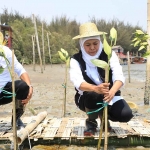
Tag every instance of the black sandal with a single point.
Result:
(91, 126)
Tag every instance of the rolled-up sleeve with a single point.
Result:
(117, 73)
(19, 69)
(76, 76)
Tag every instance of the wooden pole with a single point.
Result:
(147, 83)
(43, 46)
(37, 40)
(49, 48)
(14, 106)
(33, 50)
(128, 66)
(0, 22)
(65, 91)
(101, 131)
(106, 113)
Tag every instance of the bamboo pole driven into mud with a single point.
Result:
(147, 83)
(37, 40)
(43, 46)
(33, 51)
(15, 141)
(105, 116)
(65, 92)
(106, 113)
(49, 50)
(128, 66)
(101, 131)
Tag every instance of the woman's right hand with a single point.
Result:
(102, 88)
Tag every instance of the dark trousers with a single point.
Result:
(119, 111)
(21, 91)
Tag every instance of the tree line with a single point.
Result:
(61, 30)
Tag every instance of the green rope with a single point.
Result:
(8, 93)
(64, 85)
(103, 105)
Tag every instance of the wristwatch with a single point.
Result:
(30, 86)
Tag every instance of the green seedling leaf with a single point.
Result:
(136, 43)
(147, 36)
(1, 70)
(100, 63)
(107, 48)
(146, 54)
(139, 32)
(2, 54)
(141, 47)
(64, 51)
(113, 35)
(62, 57)
(144, 43)
(134, 39)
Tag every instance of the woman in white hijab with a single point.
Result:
(89, 80)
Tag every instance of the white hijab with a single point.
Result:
(91, 69)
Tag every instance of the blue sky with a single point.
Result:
(133, 12)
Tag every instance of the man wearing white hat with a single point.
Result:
(89, 80)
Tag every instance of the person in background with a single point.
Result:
(23, 88)
(89, 80)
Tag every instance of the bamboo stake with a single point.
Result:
(14, 106)
(33, 50)
(37, 40)
(106, 112)
(49, 48)
(147, 83)
(0, 22)
(128, 66)
(43, 46)
(65, 91)
(101, 131)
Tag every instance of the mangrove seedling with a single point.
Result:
(63, 54)
(106, 66)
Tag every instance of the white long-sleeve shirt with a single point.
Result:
(77, 78)
(18, 68)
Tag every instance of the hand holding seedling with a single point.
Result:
(102, 88)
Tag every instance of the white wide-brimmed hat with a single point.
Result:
(87, 30)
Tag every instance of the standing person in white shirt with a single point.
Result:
(23, 88)
(89, 80)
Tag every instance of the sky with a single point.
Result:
(133, 12)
